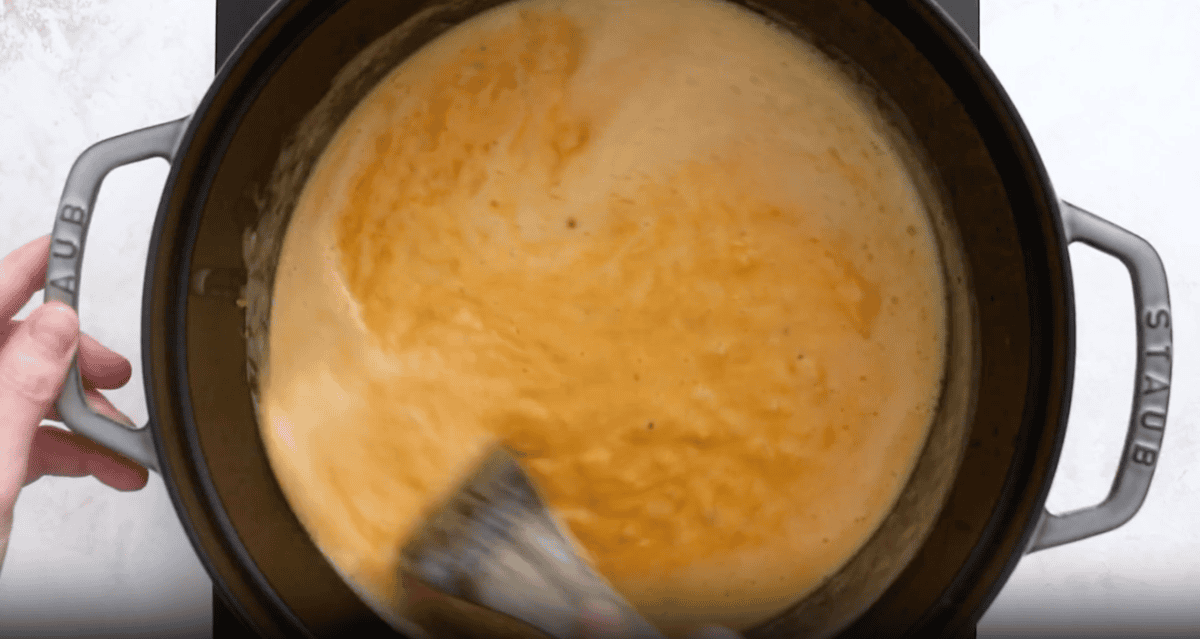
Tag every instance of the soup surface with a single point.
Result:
(663, 250)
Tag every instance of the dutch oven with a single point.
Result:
(974, 503)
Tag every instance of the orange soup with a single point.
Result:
(662, 249)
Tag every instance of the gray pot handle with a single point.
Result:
(1151, 388)
(66, 260)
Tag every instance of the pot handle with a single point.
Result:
(66, 261)
(1151, 388)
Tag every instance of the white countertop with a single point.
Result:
(1110, 91)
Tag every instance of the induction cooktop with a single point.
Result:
(234, 20)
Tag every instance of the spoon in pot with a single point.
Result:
(503, 567)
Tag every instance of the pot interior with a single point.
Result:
(272, 111)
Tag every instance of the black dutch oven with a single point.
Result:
(974, 503)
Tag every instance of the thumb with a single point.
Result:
(33, 364)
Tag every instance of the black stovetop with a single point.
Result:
(234, 20)
(236, 17)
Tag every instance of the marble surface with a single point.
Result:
(1108, 90)
(87, 561)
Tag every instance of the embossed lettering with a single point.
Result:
(1164, 352)
(1154, 384)
(1153, 420)
(72, 214)
(1158, 319)
(1144, 456)
(65, 283)
(64, 249)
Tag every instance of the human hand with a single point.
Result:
(35, 355)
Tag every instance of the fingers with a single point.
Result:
(22, 273)
(101, 367)
(33, 364)
(34, 360)
(98, 403)
(62, 453)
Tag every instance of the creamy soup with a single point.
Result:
(663, 250)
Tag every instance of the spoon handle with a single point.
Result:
(495, 545)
